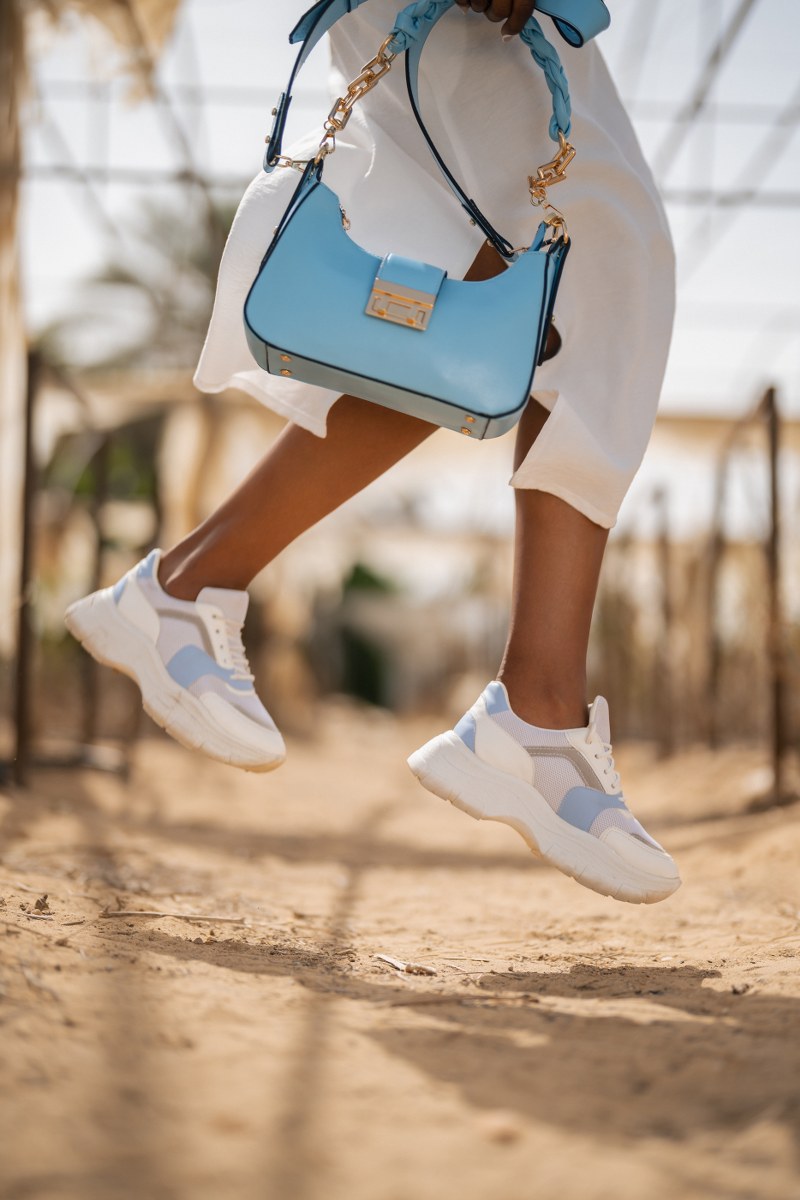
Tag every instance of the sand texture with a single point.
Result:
(566, 1046)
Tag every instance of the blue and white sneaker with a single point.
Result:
(558, 788)
(189, 661)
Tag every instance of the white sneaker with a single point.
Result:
(188, 659)
(557, 787)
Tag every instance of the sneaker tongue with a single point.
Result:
(233, 604)
(599, 717)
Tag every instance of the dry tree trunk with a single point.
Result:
(12, 339)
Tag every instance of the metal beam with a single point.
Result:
(146, 176)
(757, 167)
(689, 111)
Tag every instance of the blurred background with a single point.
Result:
(323, 984)
(130, 132)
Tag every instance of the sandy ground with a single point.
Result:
(566, 1046)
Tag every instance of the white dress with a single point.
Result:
(487, 107)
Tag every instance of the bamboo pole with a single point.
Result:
(716, 550)
(24, 658)
(775, 640)
(89, 667)
(665, 675)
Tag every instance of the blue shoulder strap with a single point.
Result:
(576, 20)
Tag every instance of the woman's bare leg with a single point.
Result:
(558, 551)
(557, 558)
(300, 479)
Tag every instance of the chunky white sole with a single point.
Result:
(448, 768)
(98, 625)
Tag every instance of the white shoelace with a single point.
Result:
(241, 667)
(603, 756)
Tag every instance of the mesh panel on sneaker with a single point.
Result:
(528, 735)
(554, 777)
(179, 624)
(176, 630)
(247, 703)
(617, 818)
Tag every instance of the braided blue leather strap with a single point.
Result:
(547, 58)
(410, 23)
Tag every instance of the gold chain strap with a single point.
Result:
(371, 74)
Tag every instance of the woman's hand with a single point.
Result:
(513, 12)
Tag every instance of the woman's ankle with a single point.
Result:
(175, 580)
(186, 569)
(548, 706)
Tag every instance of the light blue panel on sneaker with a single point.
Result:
(191, 663)
(147, 566)
(466, 731)
(496, 700)
(582, 806)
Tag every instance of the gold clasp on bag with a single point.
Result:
(400, 305)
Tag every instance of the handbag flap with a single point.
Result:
(407, 273)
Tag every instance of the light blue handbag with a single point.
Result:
(395, 331)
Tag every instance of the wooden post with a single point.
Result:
(665, 675)
(24, 662)
(775, 646)
(89, 667)
(716, 549)
(716, 552)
